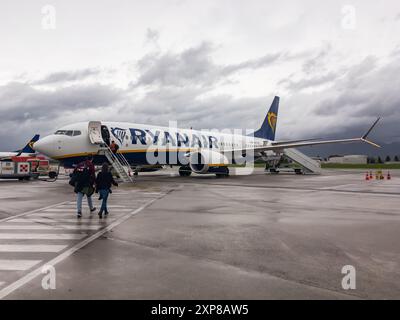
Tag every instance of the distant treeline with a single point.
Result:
(380, 160)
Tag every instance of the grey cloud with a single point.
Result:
(178, 86)
(365, 91)
(310, 82)
(21, 101)
(251, 64)
(65, 76)
(314, 71)
(193, 66)
(152, 35)
(317, 61)
(312, 76)
(189, 109)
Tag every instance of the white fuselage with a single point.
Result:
(72, 142)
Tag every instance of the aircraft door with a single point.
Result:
(105, 134)
(95, 132)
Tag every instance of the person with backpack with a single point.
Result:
(82, 180)
(104, 180)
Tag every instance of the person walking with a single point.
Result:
(104, 180)
(83, 179)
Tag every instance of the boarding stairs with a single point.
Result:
(309, 165)
(118, 162)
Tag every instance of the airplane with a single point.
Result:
(26, 151)
(195, 151)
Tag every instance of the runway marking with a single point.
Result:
(70, 206)
(32, 247)
(84, 238)
(41, 236)
(302, 189)
(63, 214)
(17, 265)
(69, 215)
(74, 210)
(32, 211)
(39, 226)
(49, 220)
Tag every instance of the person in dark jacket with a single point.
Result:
(104, 181)
(114, 147)
(83, 183)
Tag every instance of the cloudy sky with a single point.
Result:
(206, 64)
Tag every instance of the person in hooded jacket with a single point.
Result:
(104, 181)
(83, 180)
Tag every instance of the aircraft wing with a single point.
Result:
(277, 146)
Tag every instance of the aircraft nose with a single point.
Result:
(43, 146)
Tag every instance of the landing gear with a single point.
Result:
(224, 173)
(185, 171)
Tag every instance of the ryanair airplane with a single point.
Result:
(193, 151)
(26, 151)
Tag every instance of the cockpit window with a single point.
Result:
(77, 133)
(68, 133)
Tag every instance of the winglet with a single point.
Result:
(364, 137)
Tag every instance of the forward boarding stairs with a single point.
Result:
(117, 160)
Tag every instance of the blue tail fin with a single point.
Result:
(268, 127)
(28, 148)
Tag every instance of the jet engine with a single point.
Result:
(208, 161)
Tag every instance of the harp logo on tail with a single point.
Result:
(272, 117)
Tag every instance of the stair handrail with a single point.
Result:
(115, 158)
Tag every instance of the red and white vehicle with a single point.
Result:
(24, 168)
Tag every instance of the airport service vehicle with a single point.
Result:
(15, 168)
(25, 168)
(201, 152)
(25, 151)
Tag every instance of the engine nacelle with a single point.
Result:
(207, 161)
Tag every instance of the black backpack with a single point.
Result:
(79, 174)
(72, 179)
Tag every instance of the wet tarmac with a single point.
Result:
(261, 236)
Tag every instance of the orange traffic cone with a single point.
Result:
(388, 176)
(367, 176)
